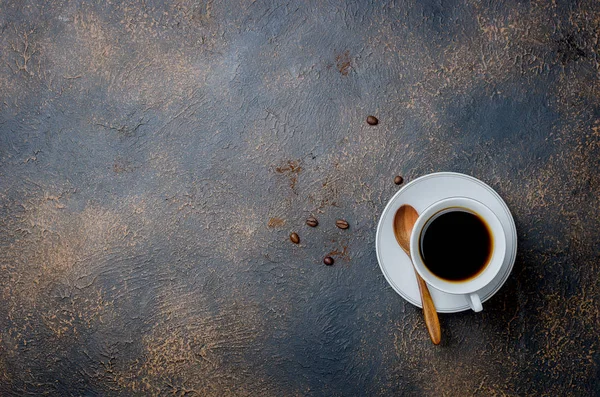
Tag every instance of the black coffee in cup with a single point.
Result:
(456, 245)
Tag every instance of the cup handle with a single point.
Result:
(475, 302)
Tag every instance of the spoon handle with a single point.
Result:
(431, 317)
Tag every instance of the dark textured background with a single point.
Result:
(154, 157)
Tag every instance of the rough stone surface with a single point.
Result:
(155, 156)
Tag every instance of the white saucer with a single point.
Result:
(421, 193)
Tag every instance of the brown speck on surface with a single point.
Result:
(343, 63)
(276, 222)
(328, 260)
(291, 168)
(398, 180)
(343, 254)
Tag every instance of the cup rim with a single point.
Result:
(492, 268)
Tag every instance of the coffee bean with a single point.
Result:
(342, 224)
(294, 238)
(328, 260)
(312, 221)
(372, 120)
(398, 180)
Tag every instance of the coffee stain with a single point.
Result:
(276, 222)
(291, 168)
(344, 254)
(343, 63)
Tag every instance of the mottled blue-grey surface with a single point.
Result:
(155, 156)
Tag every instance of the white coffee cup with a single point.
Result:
(469, 287)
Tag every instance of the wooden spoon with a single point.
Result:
(404, 220)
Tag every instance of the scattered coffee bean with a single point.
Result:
(398, 180)
(372, 120)
(328, 260)
(342, 224)
(294, 238)
(312, 221)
